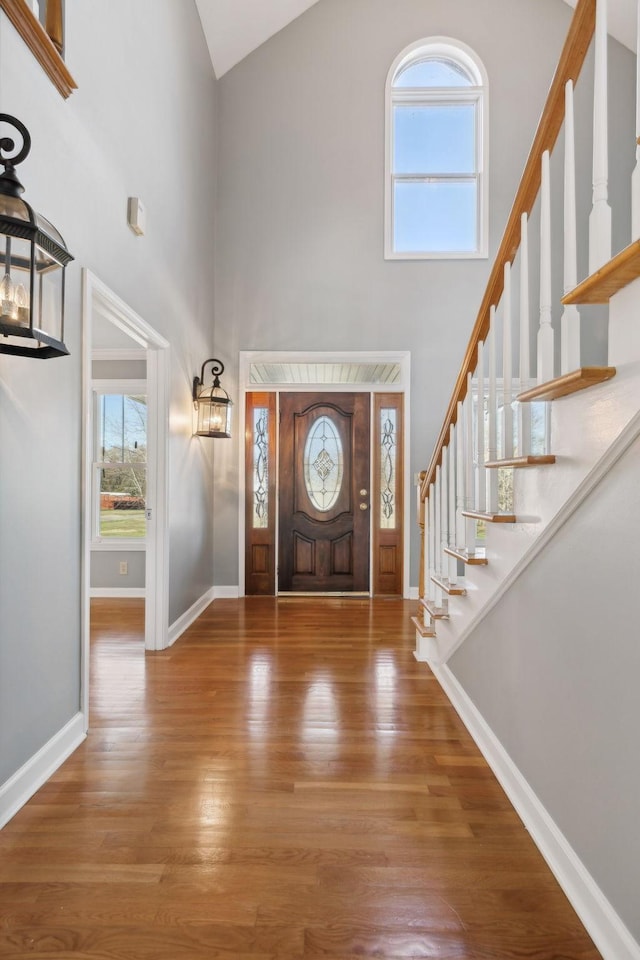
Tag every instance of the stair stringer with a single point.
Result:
(589, 432)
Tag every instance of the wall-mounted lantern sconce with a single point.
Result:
(213, 403)
(33, 259)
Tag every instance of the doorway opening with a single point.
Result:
(325, 474)
(125, 456)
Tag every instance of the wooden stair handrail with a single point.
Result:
(569, 66)
(45, 48)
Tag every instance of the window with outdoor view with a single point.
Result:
(436, 153)
(120, 466)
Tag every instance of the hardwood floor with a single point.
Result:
(285, 782)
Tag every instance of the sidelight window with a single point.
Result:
(260, 468)
(388, 467)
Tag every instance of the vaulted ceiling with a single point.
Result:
(234, 28)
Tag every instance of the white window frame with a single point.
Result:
(442, 47)
(115, 388)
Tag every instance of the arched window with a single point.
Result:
(436, 153)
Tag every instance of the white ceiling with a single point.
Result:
(356, 372)
(234, 28)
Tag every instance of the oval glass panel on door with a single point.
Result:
(323, 464)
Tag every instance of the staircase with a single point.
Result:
(522, 441)
(529, 512)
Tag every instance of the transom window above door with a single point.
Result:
(436, 153)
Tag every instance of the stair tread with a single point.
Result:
(422, 628)
(436, 613)
(620, 271)
(476, 558)
(453, 590)
(516, 462)
(490, 517)
(567, 384)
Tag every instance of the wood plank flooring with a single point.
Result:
(285, 782)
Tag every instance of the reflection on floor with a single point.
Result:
(285, 782)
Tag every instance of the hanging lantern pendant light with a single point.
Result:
(33, 260)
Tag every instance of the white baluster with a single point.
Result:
(507, 368)
(492, 412)
(570, 322)
(469, 475)
(635, 180)
(438, 539)
(431, 566)
(545, 331)
(461, 472)
(452, 563)
(481, 473)
(444, 516)
(524, 409)
(600, 219)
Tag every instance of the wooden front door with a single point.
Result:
(324, 476)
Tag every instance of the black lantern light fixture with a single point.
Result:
(213, 403)
(33, 259)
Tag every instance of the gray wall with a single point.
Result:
(554, 671)
(141, 123)
(119, 369)
(105, 569)
(300, 202)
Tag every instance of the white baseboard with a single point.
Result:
(117, 592)
(226, 593)
(183, 622)
(23, 784)
(414, 593)
(604, 926)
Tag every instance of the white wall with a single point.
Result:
(300, 204)
(141, 123)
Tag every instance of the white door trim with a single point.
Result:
(402, 385)
(97, 297)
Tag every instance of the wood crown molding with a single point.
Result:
(36, 38)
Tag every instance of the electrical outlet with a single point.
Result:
(124, 567)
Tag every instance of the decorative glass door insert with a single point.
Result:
(323, 464)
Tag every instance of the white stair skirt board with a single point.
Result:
(622, 443)
(604, 926)
(426, 649)
(23, 784)
(512, 550)
(183, 622)
(117, 592)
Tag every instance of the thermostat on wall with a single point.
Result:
(136, 215)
